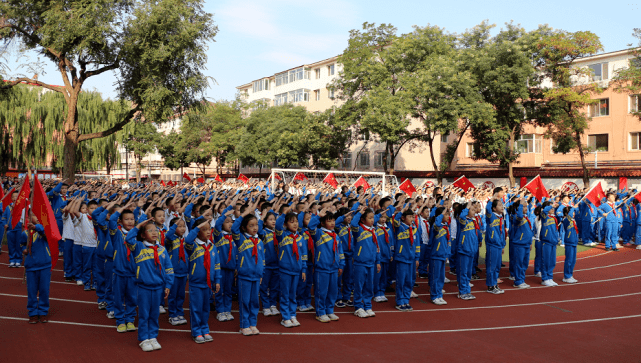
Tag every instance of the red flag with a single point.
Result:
(1, 193)
(162, 182)
(201, 180)
(638, 197)
(361, 182)
(407, 187)
(463, 183)
(331, 180)
(43, 211)
(7, 198)
(218, 178)
(21, 203)
(537, 188)
(595, 195)
(300, 176)
(277, 177)
(523, 181)
(186, 177)
(623, 183)
(243, 178)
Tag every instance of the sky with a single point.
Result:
(258, 38)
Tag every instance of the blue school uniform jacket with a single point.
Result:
(150, 274)
(173, 246)
(466, 237)
(366, 251)
(328, 251)
(571, 232)
(99, 220)
(346, 237)
(271, 246)
(124, 261)
(522, 229)
(549, 229)
(250, 257)
(406, 249)
(495, 230)
(225, 244)
(40, 256)
(385, 236)
(288, 261)
(440, 247)
(196, 268)
(613, 216)
(58, 202)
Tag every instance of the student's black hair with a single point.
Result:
(266, 205)
(408, 212)
(367, 212)
(145, 206)
(140, 235)
(359, 189)
(202, 209)
(514, 207)
(350, 203)
(65, 185)
(537, 212)
(153, 211)
(495, 202)
(435, 192)
(457, 208)
(384, 200)
(125, 211)
(299, 204)
(397, 196)
(341, 212)
(152, 194)
(289, 216)
(174, 221)
(243, 208)
(248, 218)
(269, 214)
(566, 211)
(496, 190)
(327, 217)
(92, 202)
(103, 200)
(438, 212)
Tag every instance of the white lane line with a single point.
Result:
(415, 310)
(364, 333)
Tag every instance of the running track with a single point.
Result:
(595, 320)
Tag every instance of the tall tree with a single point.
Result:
(169, 148)
(141, 139)
(156, 49)
(572, 91)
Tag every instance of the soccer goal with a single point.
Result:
(335, 178)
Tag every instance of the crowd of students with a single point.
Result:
(144, 244)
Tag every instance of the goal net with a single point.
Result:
(94, 177)
(294, 180)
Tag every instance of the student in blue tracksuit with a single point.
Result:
(99, 219)
(626, 229)
(637, 236)
(269, 286)
(250, 259)
(329, 262)
(480, 236)
(226, 252)
(424, 259)
(346, 281)
(306, 222)
(549, 239)
(384, 233)
(291, 266)
(154, 276)
(522, 240)
(407, 250)
(13, 234)
(468, 244)
(124, 287)
(494, 244)
(38, 269)
(175, 246)
(571, 241)
(439, 252)
(565, 202)
(588, 214)
(204, 278)
(58, 199)
(366, 261)
(610, 214)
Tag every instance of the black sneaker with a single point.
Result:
(415, 284)
(502, 265)
(476, 277)
(615, 249)
(340, 304)
(422, 276)
(349, 303)
(477, 269)
(408, 307)
(607, 248)
(453, 272)
(68, 279)
(400, 307)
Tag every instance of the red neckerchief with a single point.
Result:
(349, 239)
(162, 237)
(124, 242)
(411, 236)
(295, 245)
(556, 221)
(591, 210)
(181, 250)
(575, 226)
(427, 227)
(275, 243)
(386, 235)
(310, 244)
(207, 262)
(333, 235)
(528, 221)
(94, 227)
(447, 229)
(373, 233)
(613, 209)
(501, 222)
(255, 250)
(229, 238)
(156, 258)
(476, 223)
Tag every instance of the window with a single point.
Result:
(347, 161)
(317, 71)
(281, 79)
(598, 142)
(330, 70)
(330, 93)
(600, 108)
(469, 150)
(280, 99)
(633, 103)
(529, 143)
(298, 74)
(299, 95)
(444, 136)
(260, 85)
(599, 71)
(317, 95)
(379, 159)
(363, 159)
(635, 141)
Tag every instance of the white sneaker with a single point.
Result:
(267, 312)
(561, 245)
(333, 317)
(413, 295)
(377, 299)
(174, 321)
(80, 283)
(383, 299)
(548, 283)
(146, 346)
(155, 344)
(229, 316)
(471, 284)
(538, 274)
(221, 317)
(370, 313)
(361, 313)
(287, 323)
(275, 310)
(512, 278)
(182, 320)
(162, 310)
(522, 286)
(295, 321)
(638, 247)
(571, 280)
(554, 283)
(323, 319)
(446, 280)
(439, 301)
(111, 315)
(442, 291)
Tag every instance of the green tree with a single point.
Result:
(169, 148)
(156, 49)
(565, 102)
(628, 79)
(141, 139)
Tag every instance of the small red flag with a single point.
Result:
(623, 183)
(21, 203)
(162, 182)
(277, 177)
(638, 197)
(407, 187)
(331, 180)
(537, 188)
(218, 178)
(243, 178)
(300, 176)
(595, 195)
(463, 183)
(7, 198)
(523, 181)
(361, 182)
(201, 180)
(186, 177)
(43, 211)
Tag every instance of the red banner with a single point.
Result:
(407, 187)
(21, 203)
(595, 195)
(537, 188)
(7, 198)
(523, 181)
(463, 183)
(43, 211)
(623, 183)
(331, 180)
(361, 182)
